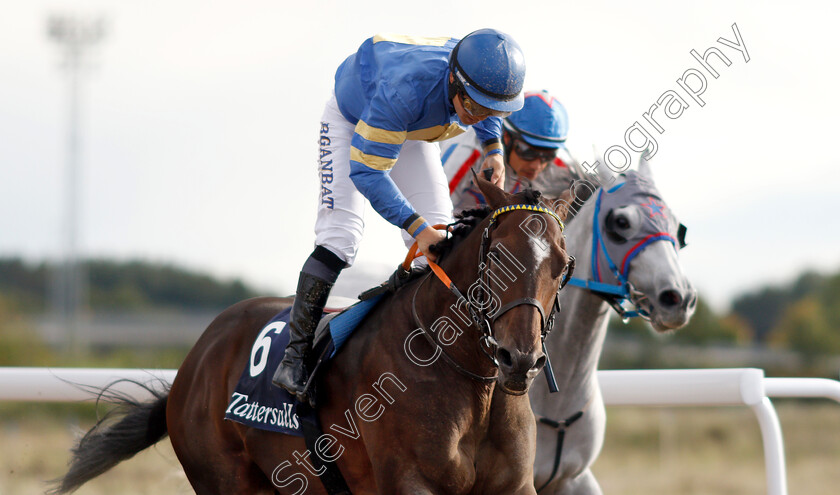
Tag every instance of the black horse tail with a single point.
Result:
(118, 435)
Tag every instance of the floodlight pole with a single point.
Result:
(74, 35)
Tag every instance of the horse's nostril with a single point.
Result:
(670, 298)
(539, 364)
(504, 357)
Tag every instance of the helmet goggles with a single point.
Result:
(529, 153)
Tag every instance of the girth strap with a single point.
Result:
(561, 435)
(331, 478)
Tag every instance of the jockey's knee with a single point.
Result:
(324, 264)
(341, 249)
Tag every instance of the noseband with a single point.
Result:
(479, 315)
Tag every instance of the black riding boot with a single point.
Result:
(310, 299)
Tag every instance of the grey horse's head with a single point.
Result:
(640, 239)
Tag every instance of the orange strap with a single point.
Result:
(441, 274)
(413, 253)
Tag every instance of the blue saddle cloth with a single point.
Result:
(257, 403)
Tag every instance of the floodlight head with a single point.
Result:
(74, 30)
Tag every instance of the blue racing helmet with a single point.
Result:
(490, 66)
(542, 122)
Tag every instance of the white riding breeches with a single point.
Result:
(418, 174)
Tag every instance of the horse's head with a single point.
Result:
(642, 237)
(524, 260)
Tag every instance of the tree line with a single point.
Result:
(122, 286)
(803, 316)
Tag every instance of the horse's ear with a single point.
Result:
(495, 197)
(644, 165)
(562, 204)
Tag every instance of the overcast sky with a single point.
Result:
(201, 118)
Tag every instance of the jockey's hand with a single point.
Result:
(497, 163)
(426, 238)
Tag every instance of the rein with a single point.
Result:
(487, 341)
(434, 343)
(616, 295)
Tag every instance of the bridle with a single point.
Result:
(479, 315)
(621, 295)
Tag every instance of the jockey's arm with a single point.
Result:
(375, 147)
(388, 201)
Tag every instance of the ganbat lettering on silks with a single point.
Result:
(325, 170)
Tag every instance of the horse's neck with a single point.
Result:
(435, 301)
(575, 344)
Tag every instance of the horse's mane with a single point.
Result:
(467, 220)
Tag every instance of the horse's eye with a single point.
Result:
(622, 223)
(612, 223)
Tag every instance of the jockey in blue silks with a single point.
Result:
(534, 151)
(393, 100)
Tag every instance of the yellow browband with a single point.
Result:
(540, 209)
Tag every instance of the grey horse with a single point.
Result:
(634, 253)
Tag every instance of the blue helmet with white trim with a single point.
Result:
(490, 66)
(542, 122)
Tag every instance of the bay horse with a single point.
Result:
(398, 420)
(570, 430)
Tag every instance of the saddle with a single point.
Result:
(398, 279)
(254, 390)
(258, 404)
(335, 328)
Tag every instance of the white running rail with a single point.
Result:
(720, 387)
(657, 388)
(75, 384)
